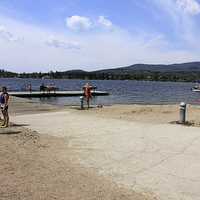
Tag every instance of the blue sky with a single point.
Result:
(43, 35)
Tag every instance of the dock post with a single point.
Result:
(82, 104)
(182, 111)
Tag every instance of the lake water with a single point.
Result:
(121, 92)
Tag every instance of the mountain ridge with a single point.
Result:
(189, 66)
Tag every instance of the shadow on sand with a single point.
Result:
(7, 131)
(18, 125)
(187, 123)
(85, 108)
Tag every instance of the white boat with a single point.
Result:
(196, 89)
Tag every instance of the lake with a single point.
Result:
(121, 92)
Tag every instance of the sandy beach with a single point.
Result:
(38, 167)
(115, 152)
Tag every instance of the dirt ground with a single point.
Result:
(156, 114)
(31, 168)
(37, 167)
(29, 106)
(34, 166)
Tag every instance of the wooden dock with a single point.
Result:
(38, 94)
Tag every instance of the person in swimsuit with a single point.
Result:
(4, 97)
(29, 87)
(87, 93)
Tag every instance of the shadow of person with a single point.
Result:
(8, 131)
(18, 125)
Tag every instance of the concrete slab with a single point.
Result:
(163, 159)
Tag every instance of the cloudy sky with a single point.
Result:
(43, 35)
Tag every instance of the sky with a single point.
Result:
(60, 35)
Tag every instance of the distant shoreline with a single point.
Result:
(146, 80)
(184, 72)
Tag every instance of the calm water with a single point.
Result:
(121, 92)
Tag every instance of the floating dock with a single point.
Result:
(38, 94)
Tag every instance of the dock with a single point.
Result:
(38, 94)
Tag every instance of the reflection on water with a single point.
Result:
(121, 92)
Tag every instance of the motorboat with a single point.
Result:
(196, 88)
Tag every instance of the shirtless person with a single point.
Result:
(4, 97)
(87, 93)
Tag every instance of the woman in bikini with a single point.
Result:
(4, 97)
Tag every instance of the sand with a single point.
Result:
(115, 152)
(154, 114)
(38, 166)
(138, 113)
(20, 106)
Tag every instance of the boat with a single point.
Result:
(196, 88)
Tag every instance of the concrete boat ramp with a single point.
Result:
(38, 94)
(162, 159)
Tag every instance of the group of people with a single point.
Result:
(4, 99)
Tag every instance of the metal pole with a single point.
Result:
(82, 104)
(182, 110)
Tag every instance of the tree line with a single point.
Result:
(134, 75)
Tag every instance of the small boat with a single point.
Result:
(196, 88)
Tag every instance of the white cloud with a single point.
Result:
(82, 23)
(78, 23)
(189, 6)
(180, 18)
(100, 49)
(57, 43)
(105, 22)
(7, 35)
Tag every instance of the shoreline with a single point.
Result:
(151, 113)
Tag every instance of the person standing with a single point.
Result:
(30, 87)
(87, 93)
(4, 97)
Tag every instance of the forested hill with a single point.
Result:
(184, 67)
(174, 72)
